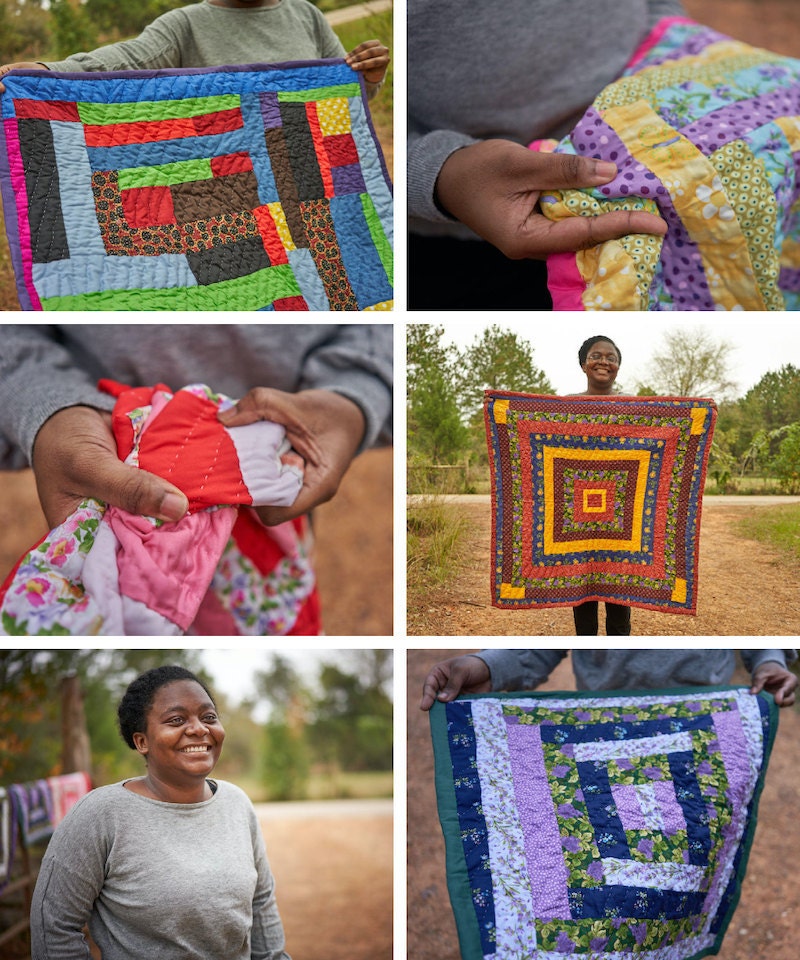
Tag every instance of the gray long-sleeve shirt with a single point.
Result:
(46, 368)
(512, 69)
(624, 669)
(206, 35)
(167, 881)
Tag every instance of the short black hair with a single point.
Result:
(138, 698)
(587, 345)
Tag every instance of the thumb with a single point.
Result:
(138, 491)
(555, 170)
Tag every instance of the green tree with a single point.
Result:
(497, 360)
(286, 753)
(352, 724)
(786, 465)
(435, 431)
(690, 363)
(72, 28)
(24, 31)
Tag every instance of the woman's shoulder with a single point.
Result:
(230, 793)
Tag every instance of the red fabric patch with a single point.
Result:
(143, 131)
(231, 163)
(222, 121)
(319, 149)
(270, 236)
(46, 110)
(147, 206)
(341, 149)
(290, 303)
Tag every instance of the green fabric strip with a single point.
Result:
(252, 292)
(107, 113)
(164, 174)
(319, 93)
(382, 245)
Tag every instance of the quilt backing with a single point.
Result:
(230, 188)
(599, 825)
(217, 571)
(705, 131)
(596, 498)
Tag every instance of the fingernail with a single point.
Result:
(173, 506)
(604, 168)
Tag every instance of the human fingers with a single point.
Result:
(75, 457)
(449, 678)
(580, 233)
(21, 65)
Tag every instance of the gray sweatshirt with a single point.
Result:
(157, 881)
(205, 35)
(511, 69)
(45, 368)
(625, 669)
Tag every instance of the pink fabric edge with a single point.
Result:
(564, 280)
(20, 192)
(654, 36)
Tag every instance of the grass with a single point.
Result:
(377, 25)
(435, 532)
(777, 526)
(333, 785)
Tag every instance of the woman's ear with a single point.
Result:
(140, 742)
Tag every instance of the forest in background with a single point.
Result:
(326, 734)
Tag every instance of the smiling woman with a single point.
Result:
(130, 858)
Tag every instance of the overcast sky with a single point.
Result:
(760, 342)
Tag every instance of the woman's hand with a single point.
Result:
(777, 680)
(465, 674)
(370, 58)
(494, 187)
(324, 428)
(22, 65)
(75, 457)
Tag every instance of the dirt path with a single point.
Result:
(333, 875)
(765, 921)
(745, 589)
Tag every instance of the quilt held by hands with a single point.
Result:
(705, 132)
(596, 498)
(217, 571)
(227, 188)
(596, 826)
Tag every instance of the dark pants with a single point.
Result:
(618, 619)
(447, 274)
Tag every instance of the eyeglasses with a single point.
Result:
(611, 358)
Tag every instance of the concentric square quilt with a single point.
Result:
(228, 188)
(599, 825)
(705, 132)
(596, 498)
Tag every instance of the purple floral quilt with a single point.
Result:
(599, 826)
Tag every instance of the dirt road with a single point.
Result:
(745, 588)
(765, 922)
(333, 873)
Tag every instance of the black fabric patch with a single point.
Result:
(302, 156)
(48, 233)
(226, 261)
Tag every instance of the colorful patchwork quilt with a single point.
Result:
(217, 571)
(228, 188)
(610, 825)
(705, 132)
(596, 498)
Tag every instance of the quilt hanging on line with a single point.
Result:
(227, 188)
(705, 132)
(589, 826)
(218, 571)
(596, 498)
